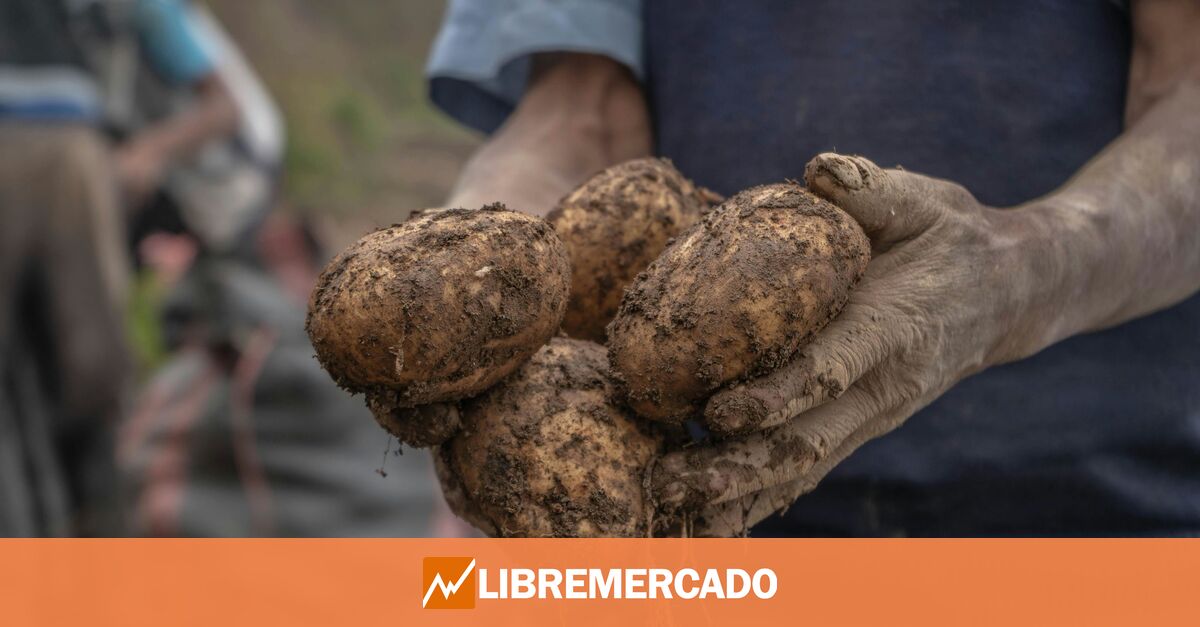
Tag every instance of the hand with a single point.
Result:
(948, 293)
(140, 170)
(517, 167)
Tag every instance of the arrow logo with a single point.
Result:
(460, 571)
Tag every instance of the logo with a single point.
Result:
(453, 583)
(449, 583)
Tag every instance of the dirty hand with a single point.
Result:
(948, 293)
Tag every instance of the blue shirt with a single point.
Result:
(169, 42)
(481, 58)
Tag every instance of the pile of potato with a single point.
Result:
(447, 324)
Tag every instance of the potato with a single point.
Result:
(614, 226)
(421, 426)
(734, 297)
(439, 308)
(547, 454)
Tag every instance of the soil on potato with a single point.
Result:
(440, 307)
(734, 297)
(421, 426)
(614, 226)
(547, 453)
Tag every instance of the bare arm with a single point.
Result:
(580, 114)
(1166, 51)
(142, 160)
(955, 287)
(1125, 228)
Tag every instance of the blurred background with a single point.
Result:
(173, 175)
(364, 144)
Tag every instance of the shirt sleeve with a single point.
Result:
(481, 59)
(169, 42)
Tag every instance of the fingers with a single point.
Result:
(735, 518)
(692, 479)
(860, 338)
(891, 205)
(868, 193)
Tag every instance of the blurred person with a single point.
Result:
(1074, 309)
(240, 432)
(98, 100)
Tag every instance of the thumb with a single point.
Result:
(891, 205)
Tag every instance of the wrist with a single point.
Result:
(1054, 244)
(592, 102)
(580, 114)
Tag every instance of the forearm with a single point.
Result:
(580, 114)
(214, 115)
(1123, 236)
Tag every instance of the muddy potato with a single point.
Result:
(614, 225)
(547, 454)
(734, 297)
(439, 308)
(420, 426)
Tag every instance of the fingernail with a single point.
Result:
(841, 170)
(735, 412)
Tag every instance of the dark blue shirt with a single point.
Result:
(1098, 435)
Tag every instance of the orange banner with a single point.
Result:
(227, 583)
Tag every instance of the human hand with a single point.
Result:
(950, 290)
(140, 168)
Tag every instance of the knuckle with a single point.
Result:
(906, 382)
(908, 389)
(889, 388)
(873, 331)
(871, 174)
(962, 230)
(819, 444)
(833, 385)
(913, 331)
(957, 197)
(790, 452)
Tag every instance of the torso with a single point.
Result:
(1097, 435)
